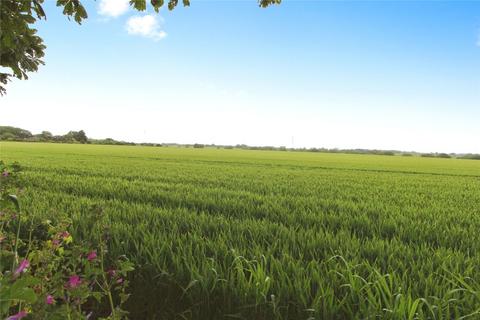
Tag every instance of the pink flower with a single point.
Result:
(92, 255)
(49, 300)
(55, 242)
(120, 281)
(74, 281)
(111, 272)
(21, 268)
(18, 316)
(5, 173)
(64, 234)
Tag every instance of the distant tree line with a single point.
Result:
(471, 156)
(335, 150)
(8, 133)
(437, 155)
(16, 134)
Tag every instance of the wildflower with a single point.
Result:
(5, 173)
(21, 268)
(66, 236)
(18, 316)
(92, 255)
(111, 272)
(55, 242)
(120, 281)
(68, 239)
(74, 281)
(49, 300)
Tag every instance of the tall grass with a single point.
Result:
(236, 234)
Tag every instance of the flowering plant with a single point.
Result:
(45, 273)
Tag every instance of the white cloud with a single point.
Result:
(146, 26)
(113, 8)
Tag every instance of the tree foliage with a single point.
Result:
(22, 50)
(8, 133)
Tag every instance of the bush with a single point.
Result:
(45, 273)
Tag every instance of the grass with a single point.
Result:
(239, 234)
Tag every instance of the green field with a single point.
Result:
(222, 234)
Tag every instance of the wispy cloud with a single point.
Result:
(113, 8)
(148, 26)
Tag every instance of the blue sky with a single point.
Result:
(387, 75)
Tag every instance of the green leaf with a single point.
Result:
(14, 199)
(23, 282)
(26, 294)
(28, 18)
(140, 5)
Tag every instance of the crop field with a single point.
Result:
(241, 234)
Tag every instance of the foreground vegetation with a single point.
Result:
(218, 234)
(45, 273)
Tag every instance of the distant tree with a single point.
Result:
(7, 136)
(69, 137)
(46, 136)
(387, 153)
(76, 136)
(198, 145)
(14, 133)
(22, 50)
(57, 138)
(428, 155)
(81, 137)
(470, 156)
(444, 155)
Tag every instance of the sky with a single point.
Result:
(401, 75)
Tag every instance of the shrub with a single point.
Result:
(45, 273)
